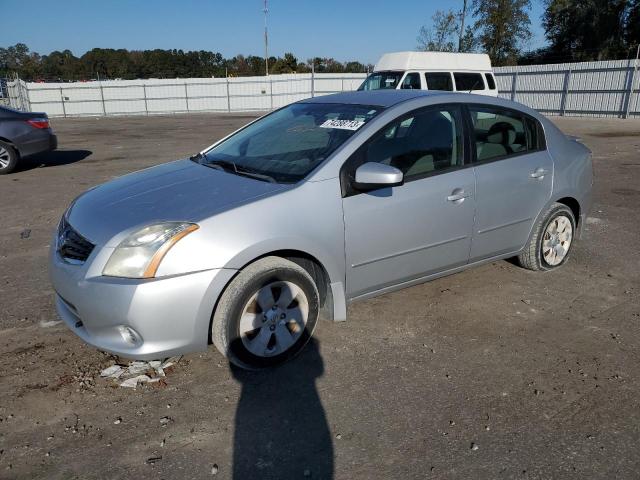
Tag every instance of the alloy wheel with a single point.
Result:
(5, 157)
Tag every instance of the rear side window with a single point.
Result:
(490, 81)
(502, 133)
(467, 82)
(411, 81)
(439, 81)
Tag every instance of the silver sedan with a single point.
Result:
(321, 203)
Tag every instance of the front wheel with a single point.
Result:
(267, 314)
(551, 241)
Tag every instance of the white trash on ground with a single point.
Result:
(138, 372)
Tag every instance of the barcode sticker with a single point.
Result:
(342, 124)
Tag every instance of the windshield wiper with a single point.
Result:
(225, 165)
(229, 166)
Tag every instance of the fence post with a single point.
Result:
(313, 86)
(64, 110)
(186, 96)
(26, 89)
(228, 96)
(633, 78)
(513, 86)
(565, 92)
(144, 94)
(271, 91)
(104, 110)
(342, 84)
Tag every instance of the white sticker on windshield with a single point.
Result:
(342, 124)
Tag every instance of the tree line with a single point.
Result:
(107, 63)
(575, 30)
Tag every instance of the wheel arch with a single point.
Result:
(10, 143)
(574, 205)
(328, 280)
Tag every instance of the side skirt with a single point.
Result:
(427, 278)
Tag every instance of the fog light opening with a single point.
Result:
(129, 335)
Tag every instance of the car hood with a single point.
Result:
(177, 191)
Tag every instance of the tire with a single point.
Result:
(269, 333)
(8, 158)
(546, 249)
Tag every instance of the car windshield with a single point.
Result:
(286, 145)
(381, 81)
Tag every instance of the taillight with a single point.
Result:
(39, 122)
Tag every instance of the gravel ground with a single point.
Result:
(496, 372)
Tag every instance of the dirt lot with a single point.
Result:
(497, 372)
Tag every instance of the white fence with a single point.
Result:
(154, 96)
(598, 89)
(595, 89)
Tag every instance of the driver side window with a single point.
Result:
(423, 143)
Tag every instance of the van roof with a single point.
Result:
(433, 61)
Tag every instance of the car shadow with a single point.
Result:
(55, 158)
(281, 429)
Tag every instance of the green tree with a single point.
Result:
(503, 28)
(441, 37)
(632, 24)
(581, 30)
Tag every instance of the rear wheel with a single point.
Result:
(267, 314)
(551, 241)
(8, 158)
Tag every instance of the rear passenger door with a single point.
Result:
(514, 175)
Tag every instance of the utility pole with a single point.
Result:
(266, 40)
(462, 16)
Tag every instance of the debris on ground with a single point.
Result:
(138, 372)
(164, 421)
(26, 233)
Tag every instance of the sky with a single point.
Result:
(343, 29)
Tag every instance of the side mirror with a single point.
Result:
(371, 175)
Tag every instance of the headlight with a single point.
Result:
(139, 255)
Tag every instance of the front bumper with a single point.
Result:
(139, 319)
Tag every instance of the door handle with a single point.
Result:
(539, 173)
(457, 196)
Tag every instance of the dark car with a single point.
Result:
(23, 134)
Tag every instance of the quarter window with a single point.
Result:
(501, 133)
(491, 83)
(411, 81)
(419, 144)
(467, 82)
(439, 81)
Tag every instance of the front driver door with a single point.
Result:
(394, 235)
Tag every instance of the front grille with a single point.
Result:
(72, 246)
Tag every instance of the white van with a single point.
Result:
(455, 72)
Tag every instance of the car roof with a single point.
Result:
(390, 98)
(380, 98)
(435, 61)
